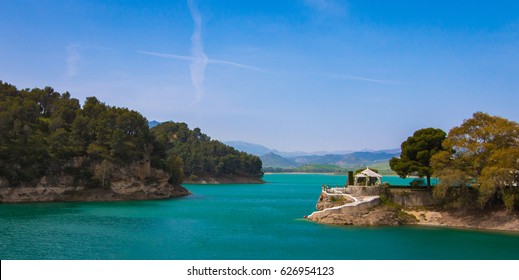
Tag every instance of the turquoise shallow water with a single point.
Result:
(228, 222)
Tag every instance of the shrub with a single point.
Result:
(417, 183)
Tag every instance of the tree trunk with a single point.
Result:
(428, 182)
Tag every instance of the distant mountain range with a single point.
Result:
(344, 159)
(250, 148)
(355, 159)
(260, 150)
(273, 158)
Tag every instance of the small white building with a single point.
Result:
(368, 177)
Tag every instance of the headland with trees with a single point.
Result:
(477, 166)
(54, 148)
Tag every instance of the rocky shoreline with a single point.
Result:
(138, 181)
(123, 188)
(356, 206)
(224, 180)
(62, 194)
(134, 182)
(401, 208)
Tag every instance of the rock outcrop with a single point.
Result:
(354, 205)
(362, 214)
(329, 201)
(402, 207)
(138, 181)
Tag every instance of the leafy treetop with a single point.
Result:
(481, 154)
(417, 151)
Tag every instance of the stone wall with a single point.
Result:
(412, 198)
(363, 190)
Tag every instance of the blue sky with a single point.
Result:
(303, 75)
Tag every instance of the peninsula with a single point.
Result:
(477, 166)
(383, 206)
(54, 149)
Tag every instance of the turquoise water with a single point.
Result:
(397, 181)
(228, 222)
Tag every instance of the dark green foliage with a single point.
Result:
(417, 151)
(417, 183)
(45, 133)
(175, 167)
(196, 155)
(23, 127)
(350, 178)
(42, 132)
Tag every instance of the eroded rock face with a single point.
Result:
(137, 181)
(358, 205)
(369, 217)
(367, 213)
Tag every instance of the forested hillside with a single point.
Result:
(200, 156)
(47, 134)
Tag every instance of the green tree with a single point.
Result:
(45, 133)
(417, 151)
(482, 153)
(175, 168)
(201, 156)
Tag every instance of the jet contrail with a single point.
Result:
(209, 61)
(200, 60)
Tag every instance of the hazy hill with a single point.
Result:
(153, 124)
(344, 159)
(260, 150)
(350, 160)
(253, 149)
(275, 160)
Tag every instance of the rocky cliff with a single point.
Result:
(137, 181)
(356, 205)
(368, 213)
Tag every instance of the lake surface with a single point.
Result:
(228, 222)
